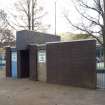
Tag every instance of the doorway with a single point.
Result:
(24, 63)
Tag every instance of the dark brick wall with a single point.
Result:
(26, 37)
(33, 62)
(8, 62)
(72, 63)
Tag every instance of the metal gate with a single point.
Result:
(100, 68)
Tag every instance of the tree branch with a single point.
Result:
(84, 30)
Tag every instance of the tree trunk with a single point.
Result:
(104, 48)
(29, 15)
(103, 31)
(33, 4)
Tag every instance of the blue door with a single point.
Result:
(14, 64)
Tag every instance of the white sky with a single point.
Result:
(62, 5)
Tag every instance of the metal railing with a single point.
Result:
(100, 68)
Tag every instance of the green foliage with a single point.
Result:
(81, 36)
(70, 36)
(66, 36)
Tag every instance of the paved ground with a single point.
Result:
(26, 92)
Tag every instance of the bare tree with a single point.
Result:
(29, 15)
(6, 35)
(92, 13)
(3, 19)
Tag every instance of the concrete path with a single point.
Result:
(26, 92)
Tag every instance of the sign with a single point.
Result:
(41, 56)
(14, 57)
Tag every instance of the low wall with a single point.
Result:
(72, 63)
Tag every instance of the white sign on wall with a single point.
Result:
(41, 56)
(14, 57)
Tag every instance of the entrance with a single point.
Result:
(23, 63)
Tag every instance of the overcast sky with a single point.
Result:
(62, 5)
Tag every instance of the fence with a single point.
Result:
(100, 68)
(2, 60)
